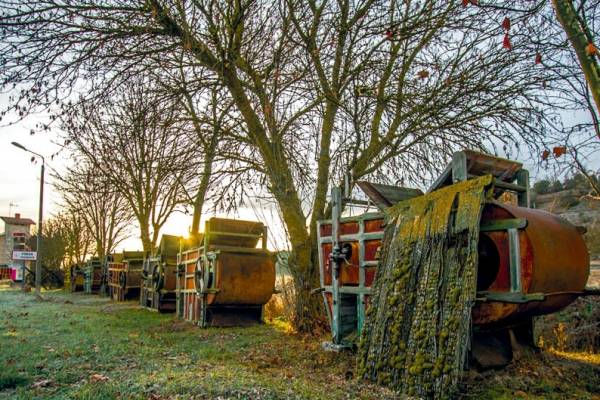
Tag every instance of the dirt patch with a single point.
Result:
(175, 325)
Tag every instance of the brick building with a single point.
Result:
(17, 231)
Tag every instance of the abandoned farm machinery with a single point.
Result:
(424, 286)
(223, 278)
(528, 262)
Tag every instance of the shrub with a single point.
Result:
(592, 237)
(557, 186)
(575, 329)
(571, 202)
(542, 187)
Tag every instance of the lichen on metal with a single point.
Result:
(417, 329)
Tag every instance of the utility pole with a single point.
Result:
(38, 263)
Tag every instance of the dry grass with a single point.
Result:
(568, 365)
(577, 328)
(544, 375)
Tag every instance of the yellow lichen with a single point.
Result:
(432, 257)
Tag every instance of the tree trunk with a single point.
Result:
(580, 39)
(324, 165)
(304, 266)
(147, 244)
(209, 157)
(201, 193)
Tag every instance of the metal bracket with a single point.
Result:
(504, 224)
(336, 202)
(515, 261)
(510, 297)
(333, 347)
(338, 256)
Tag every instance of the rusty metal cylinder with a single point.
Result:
(242, 278)
(551, 267)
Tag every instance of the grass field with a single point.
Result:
(77, 346)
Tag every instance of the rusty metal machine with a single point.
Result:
(159, 278)
(92, 276)
(104, 288)
(530, 262)
(125, 275)
(5, 272)
(77, 276)
(225, 280)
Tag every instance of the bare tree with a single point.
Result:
(142, 150)
(93, 200)
(559, 36)
(207, 109)
(578, 21)
(65, 240)
(77, 241)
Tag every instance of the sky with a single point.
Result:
(19, 176)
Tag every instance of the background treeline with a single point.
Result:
(576, 183)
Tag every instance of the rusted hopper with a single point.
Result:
(159, 284)
(125, 275)
(92, 276)
(77, 277)
(226, 280)
(530, 262)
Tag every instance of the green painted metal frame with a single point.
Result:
(337, 290)
(166, 258)
(92, 266)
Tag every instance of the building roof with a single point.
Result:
(17, 220)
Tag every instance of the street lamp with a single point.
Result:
(38, 262)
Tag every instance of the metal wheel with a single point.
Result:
(202, 274)
(122, 279)
(157, 278)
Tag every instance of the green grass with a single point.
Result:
(77, 346)
(88, 347)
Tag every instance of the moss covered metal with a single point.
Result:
(417, 329)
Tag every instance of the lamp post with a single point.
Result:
(38, 262)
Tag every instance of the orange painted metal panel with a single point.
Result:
(349, 228)
(554, 262)
(373, 225)
(244, 278)
(325, 230)
(326, 267)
